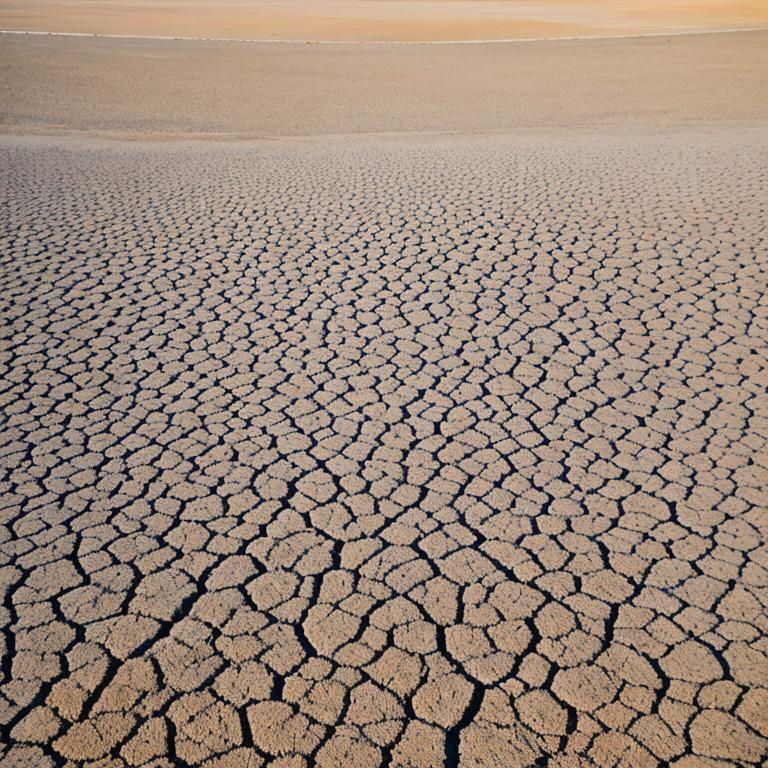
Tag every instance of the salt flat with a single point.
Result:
(424, 425)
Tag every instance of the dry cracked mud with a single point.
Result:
(385, 452)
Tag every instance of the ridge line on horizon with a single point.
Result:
(285, 41)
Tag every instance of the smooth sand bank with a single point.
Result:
(379, 19)
(230, 90)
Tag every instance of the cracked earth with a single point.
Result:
(385, 453)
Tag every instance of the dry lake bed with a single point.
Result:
(384, 405)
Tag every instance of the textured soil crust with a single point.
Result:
(428, 430)
(426, 452)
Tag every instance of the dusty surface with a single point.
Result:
(385, 449)
(424, 453)
(380, 19)
(130, 87)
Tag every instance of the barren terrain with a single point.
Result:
(225, 90)
(442, 442)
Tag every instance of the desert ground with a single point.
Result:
(373, 405)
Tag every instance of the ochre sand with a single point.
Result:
(380, 19)
(441, 442)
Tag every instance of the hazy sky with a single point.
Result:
(380, 19)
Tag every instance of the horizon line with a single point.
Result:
(287, 41)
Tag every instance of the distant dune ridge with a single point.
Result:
(381, 19)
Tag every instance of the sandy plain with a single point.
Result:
(424, 425)
(225, 90)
